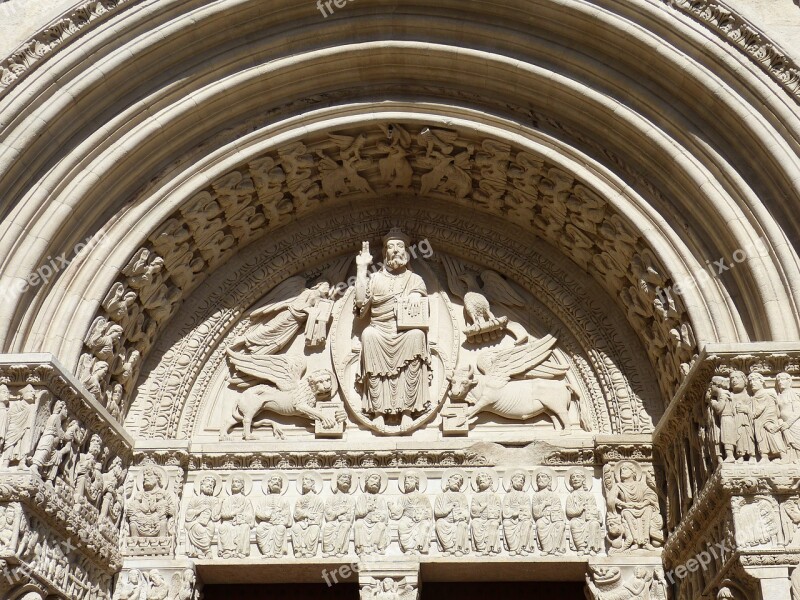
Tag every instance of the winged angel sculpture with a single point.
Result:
(481, 323)
(519, 382)
(388, 589)
(264, 381)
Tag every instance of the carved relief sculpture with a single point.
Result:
(18, 423)
(202, 515)
(607, 583)
(548, 514)
(769, 439)
(743, 410)
(388, 588)
(486, 510)
(586, 532)
(540, 387)
(151, 509)
(340, 511)
(725, 428)
(413, 513)
(395, 360)
(308, 514)
(518, 527)
(372, 515)
(236, 519)
(789, 414)
(452, 514)
(634, 518)
(286, 392)
(273, 517)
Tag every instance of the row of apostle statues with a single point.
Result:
(530, 517)
(752, 422)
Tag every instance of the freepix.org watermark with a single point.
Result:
(714, 269)
(702, 561)
(421, 249)
(49, 269)
(326, 7)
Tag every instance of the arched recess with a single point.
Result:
(660, 121)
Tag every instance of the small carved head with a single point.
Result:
(755, 381)
(455, 482)
(738, 381)
(321, 382)
(28, 393)
(577, 480)
(484, 481)
(207, 486)
(373, 483)
(275, 484)
(308, 483)
(461, 382)
(150, 479)
(543, 480)
(783, 381)
(411, 482)
(344, 482)
(237, 484)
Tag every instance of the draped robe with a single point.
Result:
(394, 364)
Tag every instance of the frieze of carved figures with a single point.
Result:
(135, 584)
(255, 198)
(413, 513)
(633, 517)
(609, 583)
(751, 422)
(486, 510)
(33, 552)
(150, 513)
(309, 512)
(340, 510)
(372, 514)
(583, 513)
(388, 588)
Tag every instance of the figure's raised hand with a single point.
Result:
(364, 258)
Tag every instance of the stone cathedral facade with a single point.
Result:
(385, 293)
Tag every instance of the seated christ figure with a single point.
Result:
(395, 364)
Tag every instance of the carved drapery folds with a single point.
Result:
(437, 163)
(731, 472)
(63, 464)
(374, 513)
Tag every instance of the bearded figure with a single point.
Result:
(395, 361)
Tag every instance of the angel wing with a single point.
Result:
(453, 268)
(517, 359)
(284, 371)
(336, 271)
(499, 290)
(43, 412)
(175, 585)
(280, 296)
(405, 591)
